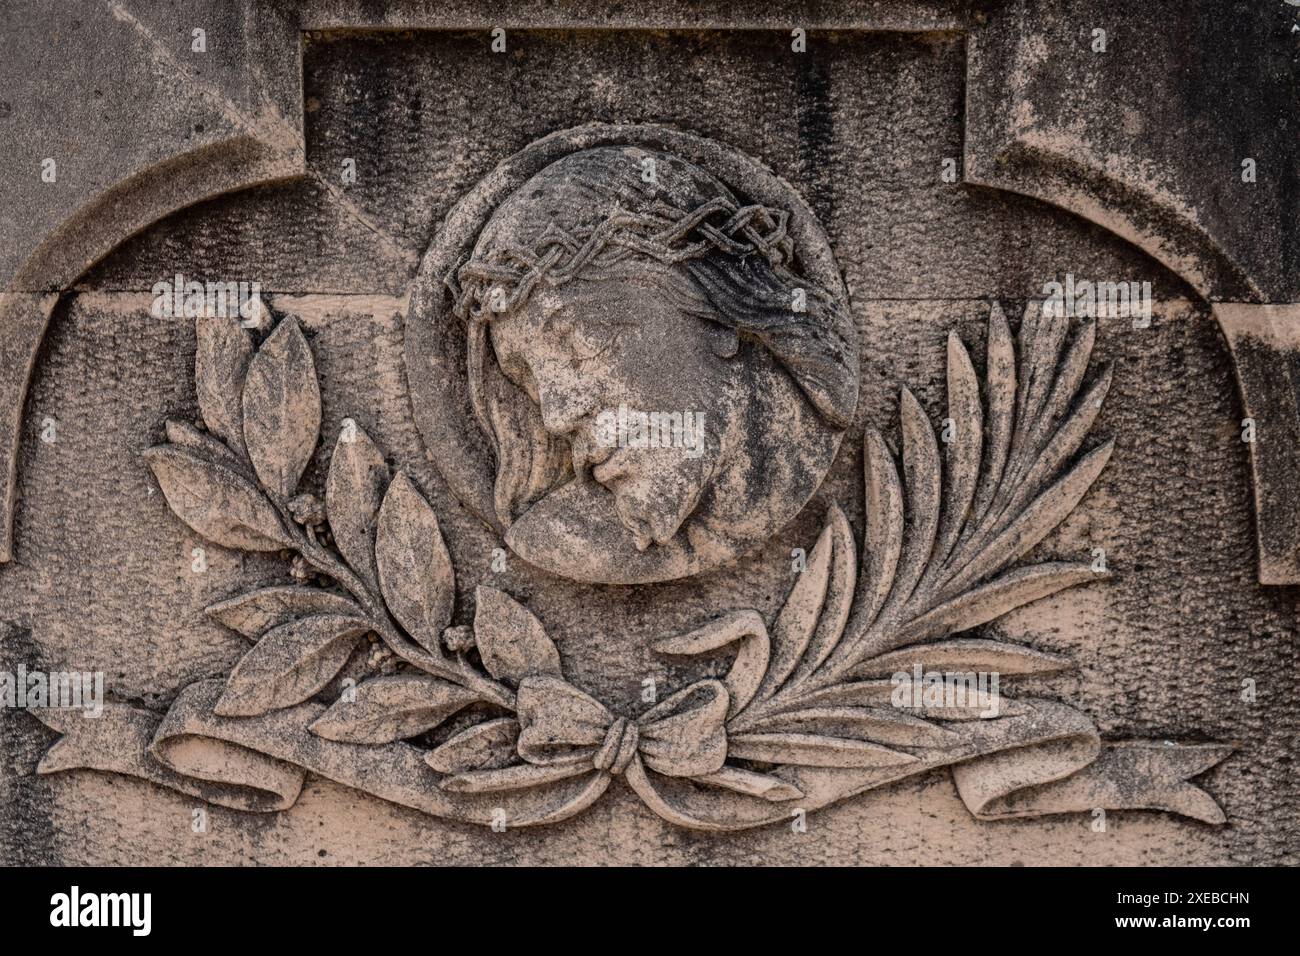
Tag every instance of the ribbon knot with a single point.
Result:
(619, 747)
(682, 736)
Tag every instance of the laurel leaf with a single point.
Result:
(222, 351)
(290, 663)
(811, 750)
(1033, 524)
(354, 490)
(839, 597)
(750, 664)
(415, 572)
(964, 656)
(797, 619)
(1001, 387)
(510, 639)
(486, 746)
(281, 409)
(202, 445)
(882, 725)
(217, 501)
(997, 597)
(391, 708)
(257, 611)
(884, 533)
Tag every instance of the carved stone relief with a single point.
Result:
(623, 475)
(807, 713)
(575, 282)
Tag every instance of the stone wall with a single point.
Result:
(1117, 165)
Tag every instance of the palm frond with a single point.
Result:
(940, 538)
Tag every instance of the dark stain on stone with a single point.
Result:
(816, 130)
(27, 833)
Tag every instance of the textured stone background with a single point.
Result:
(101, 575)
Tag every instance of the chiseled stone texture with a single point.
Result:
(101, 579)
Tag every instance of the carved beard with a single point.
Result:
(655, 490)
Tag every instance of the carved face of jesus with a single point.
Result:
(643, 392)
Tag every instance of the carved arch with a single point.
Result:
(1264, 340)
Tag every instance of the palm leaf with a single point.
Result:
(798, 617)
(814, 750)
(882, 725)
(1001, 386)
(884, 693)
(884, 534)
(1069, 378)
(936, 551)
(964, 657)
(839, 596)
(1050, 390)
(1033, 524)
(963, 454)
(990, 601)
(1064, 443)
(924, 494)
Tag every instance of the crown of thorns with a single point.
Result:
(663, 233)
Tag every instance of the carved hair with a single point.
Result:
(595, 214)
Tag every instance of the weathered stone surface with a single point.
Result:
(408, 576)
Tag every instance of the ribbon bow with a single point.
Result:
(682, 736)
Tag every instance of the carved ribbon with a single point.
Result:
(259, 763)
(681, 737)
(1047, 760)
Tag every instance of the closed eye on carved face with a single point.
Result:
(580, 332)
(536, 351)
(591, 341)
(549, 358)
